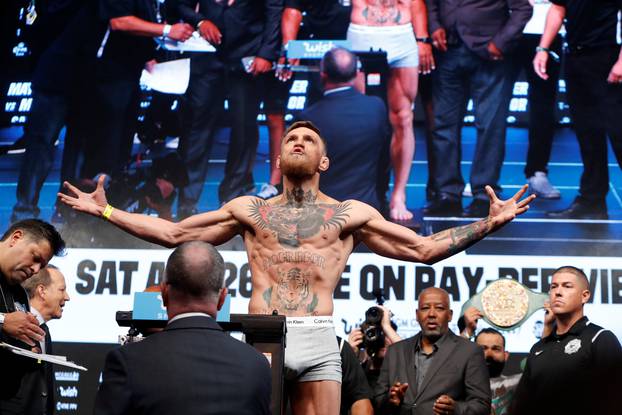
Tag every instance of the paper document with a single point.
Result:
(57, 360)
(194, 44)
(168, 77)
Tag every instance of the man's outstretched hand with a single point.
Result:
(93, 203)
(503, 211)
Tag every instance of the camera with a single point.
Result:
(373, 335)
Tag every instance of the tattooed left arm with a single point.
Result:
(395, 241)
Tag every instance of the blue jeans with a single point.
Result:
(462, 74)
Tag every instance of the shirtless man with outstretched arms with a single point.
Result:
(298, 244)
(399, 27)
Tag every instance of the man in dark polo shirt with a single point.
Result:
(577, 369)
(593, 66)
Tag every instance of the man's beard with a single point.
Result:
(297, 168)
(495, 368)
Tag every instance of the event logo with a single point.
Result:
(573, 346)
(313, 49)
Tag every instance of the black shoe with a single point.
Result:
(443, 205)
(479, 208)
(580, 209)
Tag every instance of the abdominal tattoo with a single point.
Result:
(300, 218)
(382, 11)
(464, 236)
(292, 292)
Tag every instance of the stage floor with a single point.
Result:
(531, 234)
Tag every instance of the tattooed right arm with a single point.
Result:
(395, 241)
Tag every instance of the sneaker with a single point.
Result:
(267, 191)
(539, 185)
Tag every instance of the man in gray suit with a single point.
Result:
(435, 372)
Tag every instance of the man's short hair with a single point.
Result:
(43, 277)
(305, 124)
(38, 230)
(339, 65)
(196, 270)
(577, 272)
(490, 330)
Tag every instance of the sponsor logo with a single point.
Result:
(313, 49)
(68, 392)
(67, 376)
(66, 406)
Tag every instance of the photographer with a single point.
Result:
(370, 341)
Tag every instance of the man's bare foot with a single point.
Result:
(398, 210)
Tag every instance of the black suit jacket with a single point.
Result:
(13, 367)
(357, 134)
(458, 370)
(192, 367)
(248, 27)
(36, 393)
(477, 22)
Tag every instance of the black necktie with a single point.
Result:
(49, 371)
(48, 339)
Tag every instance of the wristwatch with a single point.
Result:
(1, 321)
(426, 39)
(166, 30)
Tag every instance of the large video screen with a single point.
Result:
(24, 42)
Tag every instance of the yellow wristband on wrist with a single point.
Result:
(107, 212)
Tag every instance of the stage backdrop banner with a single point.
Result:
(101, 282)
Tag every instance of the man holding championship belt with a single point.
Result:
(298, 244)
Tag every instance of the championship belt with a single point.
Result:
(506, 303)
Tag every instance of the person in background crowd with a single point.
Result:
(357, 133)
(371, 360)
(355, 391)
(302, 19)
(495, 355)
(434, 371)
(47, 293)
(192, 366)
(241, 29)
(475, 41)
(87, 80)
(541, 104)
(401, 29)
(25, 248)
(593, 73)
(579, 362)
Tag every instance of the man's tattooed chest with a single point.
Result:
(293, 223)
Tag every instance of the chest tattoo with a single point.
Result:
(382, 11)
(295, 221)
